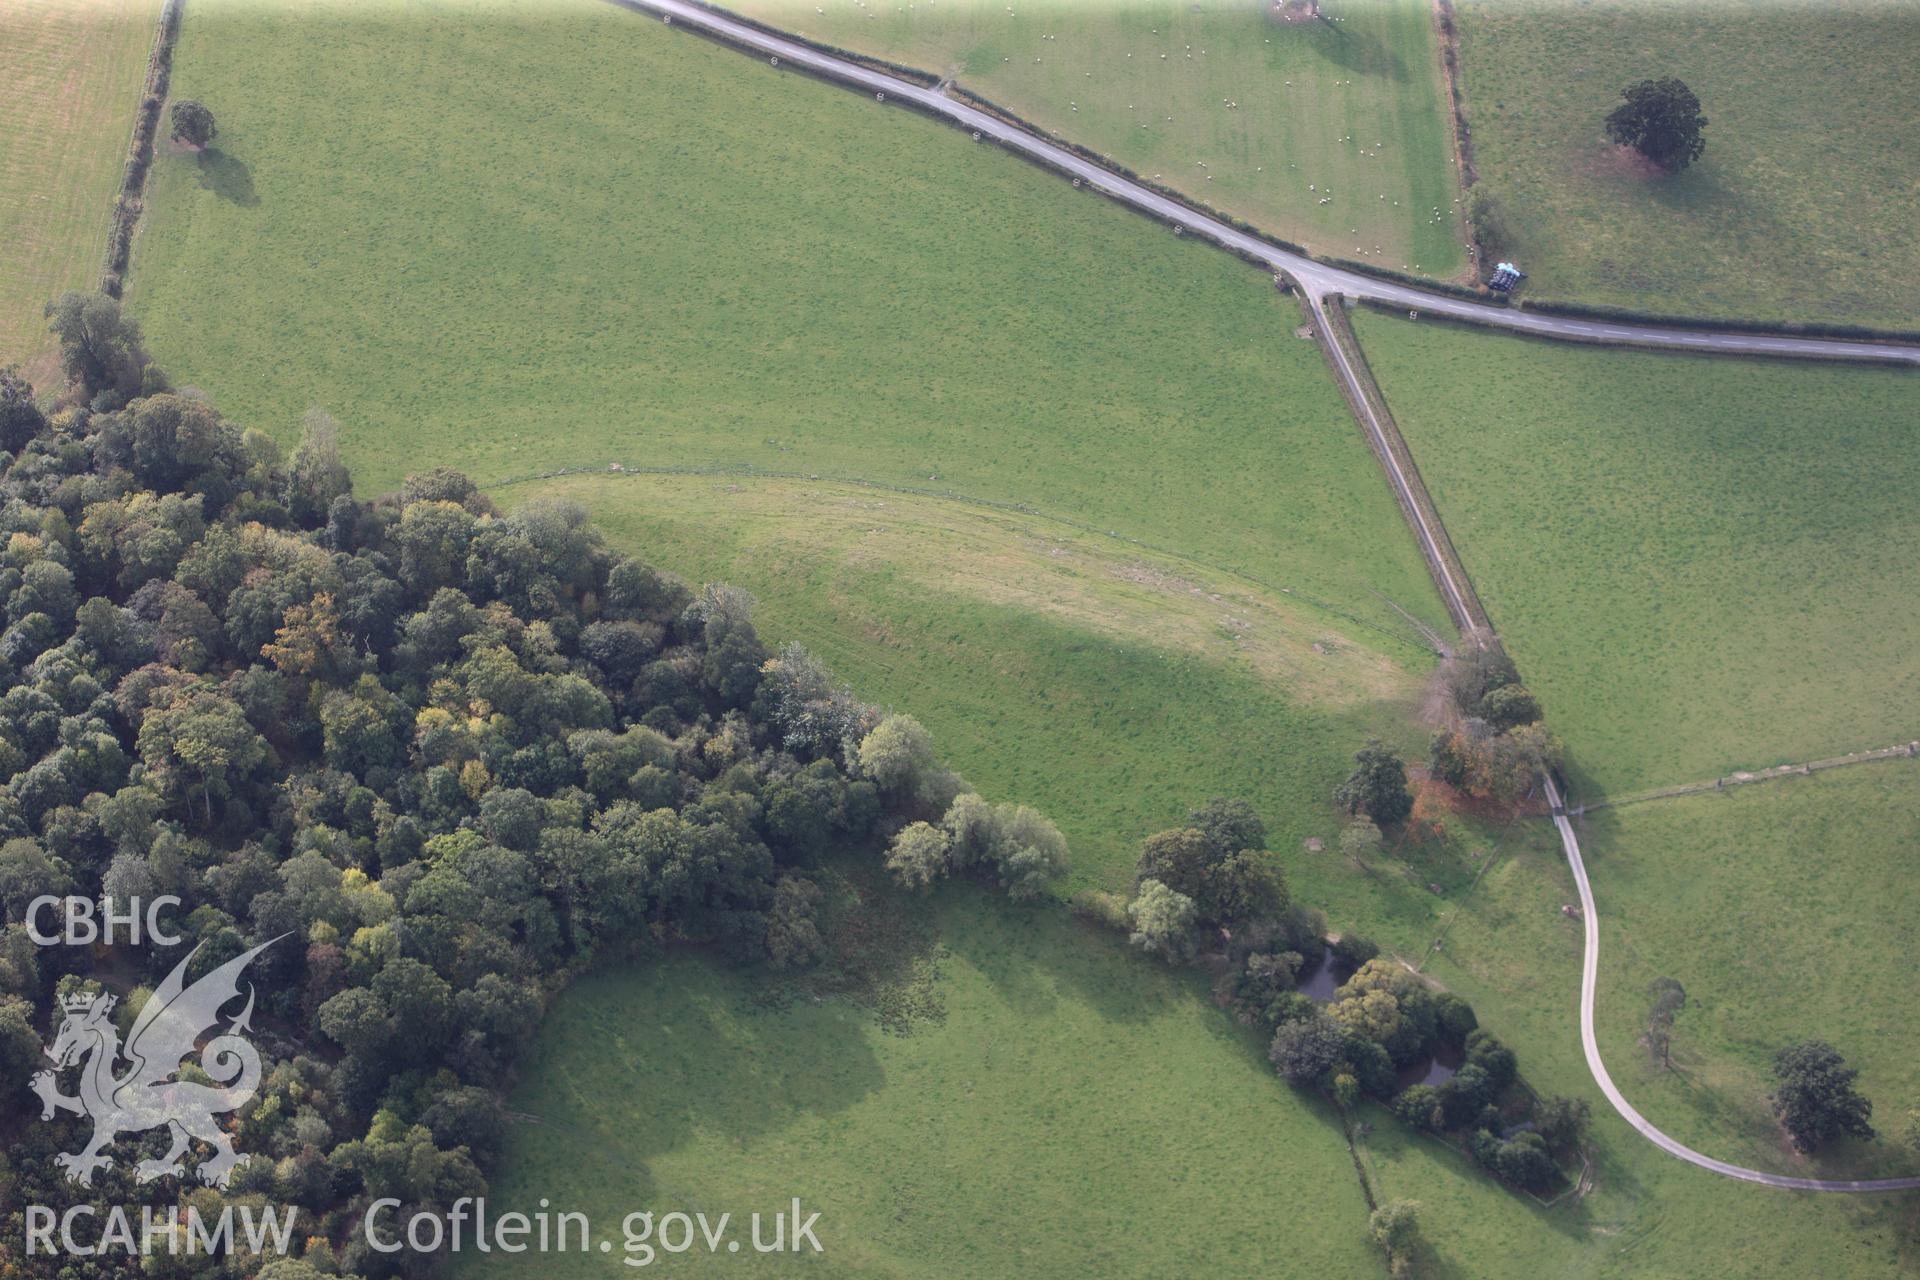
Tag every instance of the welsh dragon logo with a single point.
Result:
(146, 1096)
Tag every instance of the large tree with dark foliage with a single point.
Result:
(1661, 120)
(1377, 786)
(1815, 1098)
(192, 122)
(100, 349)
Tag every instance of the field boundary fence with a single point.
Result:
(1741, 778)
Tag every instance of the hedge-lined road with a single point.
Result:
(1318, 279)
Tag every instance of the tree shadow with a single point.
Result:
(635, 1062)
(1388, 1143)
(1702, 190)
(1361, 54)
(227, 176)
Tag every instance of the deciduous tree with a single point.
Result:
(100, 348)
(1306, 1052)
(793, 930)
(20, 417)
(1377, 786)
(1815, 1098)
(1395, 1227)
(1669, 998)
(1229, 825)
(1163, 921)
(192, 122)
(1661, 120)
(920, 856)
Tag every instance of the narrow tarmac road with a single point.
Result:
(1316, 279)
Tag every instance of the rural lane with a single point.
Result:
(1589, 983)
(1317, 279)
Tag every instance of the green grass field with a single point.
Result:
(493, 241)
(70, 77)
(1259, 117)
(1800, 209)
(1073, 1110)
(1700, 564)
(1112, 687)
(1784, 910)
(513, 242)
(958, 360)
(1517, 959)
(1066, 1094)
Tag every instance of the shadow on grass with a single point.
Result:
(227, 176)
(1362, 55)
(1032, 951)
(1702, 189)
(1386, 1142)
(641, 1060)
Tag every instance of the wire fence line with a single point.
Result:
(1899, 751)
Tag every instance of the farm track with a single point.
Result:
(1320, 281)
(1589, 984)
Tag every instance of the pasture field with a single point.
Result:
(1801, 207)
(514, 242)
(1065, 1108)
(1115, 689)
(1517, 959)
(70, 78)
(511, 240)
(1033, 1104)
(1785, 910)
(1299, 127)
(1701, 565)
(1506, 945)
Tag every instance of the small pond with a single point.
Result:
(1319, 984)
(1435, 1070)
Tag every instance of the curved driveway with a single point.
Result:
(1318, 279)
(1589, 981)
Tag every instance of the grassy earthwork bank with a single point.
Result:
(876, 318)
(70, 77)
(1112, 687)
(1502, 939)
(1120, 546)
(1334, 133)
(1802, 206)
(1701, 565)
